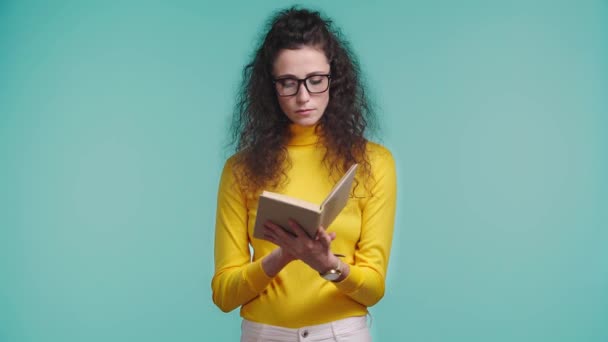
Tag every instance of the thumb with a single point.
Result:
(323, 237)
(331, 235)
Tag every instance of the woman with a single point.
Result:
(299, 125)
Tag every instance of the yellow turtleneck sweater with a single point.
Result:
(297, 296)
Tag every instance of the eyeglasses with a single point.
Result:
(289, 86)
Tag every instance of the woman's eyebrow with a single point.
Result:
(309, 74)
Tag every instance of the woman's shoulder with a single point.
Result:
(378, 153)
(382, 167)
(230, 167)
(232, 160)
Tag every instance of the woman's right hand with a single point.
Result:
(315, 252)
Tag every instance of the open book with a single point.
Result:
(280, 208)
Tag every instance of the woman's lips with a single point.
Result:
(304, 111)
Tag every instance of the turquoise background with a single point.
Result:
(113, 122)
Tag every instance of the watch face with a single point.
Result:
(331, 275)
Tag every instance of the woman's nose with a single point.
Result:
(303, 95)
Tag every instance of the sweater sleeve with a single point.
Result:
(237, 279)
(365, 282)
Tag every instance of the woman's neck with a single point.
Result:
(303, 135)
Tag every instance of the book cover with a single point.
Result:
(279, 208)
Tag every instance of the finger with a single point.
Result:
(268, 235)
(297, 229)
(271, 229)
(278, 230)
(281, 236)
(326, 241)
(272, 225)
(271, 235)
(332, 235)
(320, 233)
(323, 237)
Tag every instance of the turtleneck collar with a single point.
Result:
(303, 135)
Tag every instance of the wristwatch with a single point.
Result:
(334, 273)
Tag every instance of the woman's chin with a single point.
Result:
(305, 121)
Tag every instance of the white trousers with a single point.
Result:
(352, 329)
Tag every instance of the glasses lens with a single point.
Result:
(287, 86)
(317, 83)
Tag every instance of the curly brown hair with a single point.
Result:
(260, 130)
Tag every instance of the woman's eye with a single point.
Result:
(315, 80)
(289, 83)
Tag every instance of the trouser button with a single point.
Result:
(305, 333)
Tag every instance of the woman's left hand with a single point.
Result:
(315, 252)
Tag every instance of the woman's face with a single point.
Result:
(304, 108)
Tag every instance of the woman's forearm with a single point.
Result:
(274, 262)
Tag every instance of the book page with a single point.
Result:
(292, 200)
(337, 198)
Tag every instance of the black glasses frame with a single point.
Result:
(300, 81)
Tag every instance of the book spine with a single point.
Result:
(321, 220)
